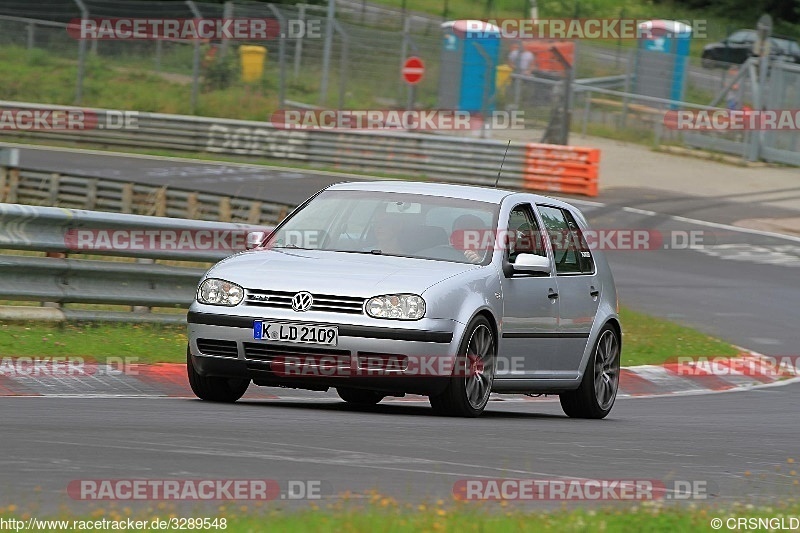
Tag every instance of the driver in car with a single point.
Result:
(469, 232)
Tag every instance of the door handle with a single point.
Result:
(594, 293)
(552, 294)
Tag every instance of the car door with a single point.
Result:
(579, 286)
(529, 343)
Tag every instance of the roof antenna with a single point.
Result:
(501, 164)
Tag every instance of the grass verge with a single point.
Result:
(648, 340)
(386, 515)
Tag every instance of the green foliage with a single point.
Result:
(221, 72)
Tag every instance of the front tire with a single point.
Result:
(359, 397)
(215, 389)
(598, 389)
(471, 383)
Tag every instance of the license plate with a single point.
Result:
(297, 333)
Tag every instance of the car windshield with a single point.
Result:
(398, 224)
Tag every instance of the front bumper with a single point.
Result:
(382, 357)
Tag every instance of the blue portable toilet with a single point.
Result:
(470, 56)
(662, 58)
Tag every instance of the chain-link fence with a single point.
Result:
(353, 61)
(358, 66)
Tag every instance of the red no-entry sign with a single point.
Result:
(413, 69)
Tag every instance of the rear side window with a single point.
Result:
(570, 250)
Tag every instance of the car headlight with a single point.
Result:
(219, 292)
(396, 306)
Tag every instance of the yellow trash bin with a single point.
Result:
(503, 76)
(252, 58)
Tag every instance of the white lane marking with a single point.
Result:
(687, 220)
(734, 228)
(784, 255)
(766, 340)
(640, 211)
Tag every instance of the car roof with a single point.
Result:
(772, 36)
(464, 192)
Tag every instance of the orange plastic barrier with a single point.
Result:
(545, 60)
(564, 169)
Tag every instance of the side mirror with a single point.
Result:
(254, 239)
(532, 263)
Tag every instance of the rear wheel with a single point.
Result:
(471, 383)
(598, 390)
(359, 397)
(215, 389)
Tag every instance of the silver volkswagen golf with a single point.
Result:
(390, 287)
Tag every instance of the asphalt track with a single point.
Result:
(739, 443)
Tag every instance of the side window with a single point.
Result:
(571, 252)
(741, 37)
(524, 236)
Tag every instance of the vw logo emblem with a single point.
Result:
(302, 301)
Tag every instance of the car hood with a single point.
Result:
(345, 274)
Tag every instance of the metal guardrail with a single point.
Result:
(34, 187)
(59, 279)
(448, 158)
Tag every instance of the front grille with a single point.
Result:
(322, 302)
(302, 355)
(218, 347)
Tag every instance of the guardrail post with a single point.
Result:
(160, 207)
(126, 201)
(225, 209)
(142, 308)
(55, 178)
(9, 174)
(91, 194)
(254, 217)
(54, 255)
(31, 38)
(282, 214)
(13, 186)
(192, 206)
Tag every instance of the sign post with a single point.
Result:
(412, 71)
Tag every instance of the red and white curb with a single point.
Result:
(24, 377)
